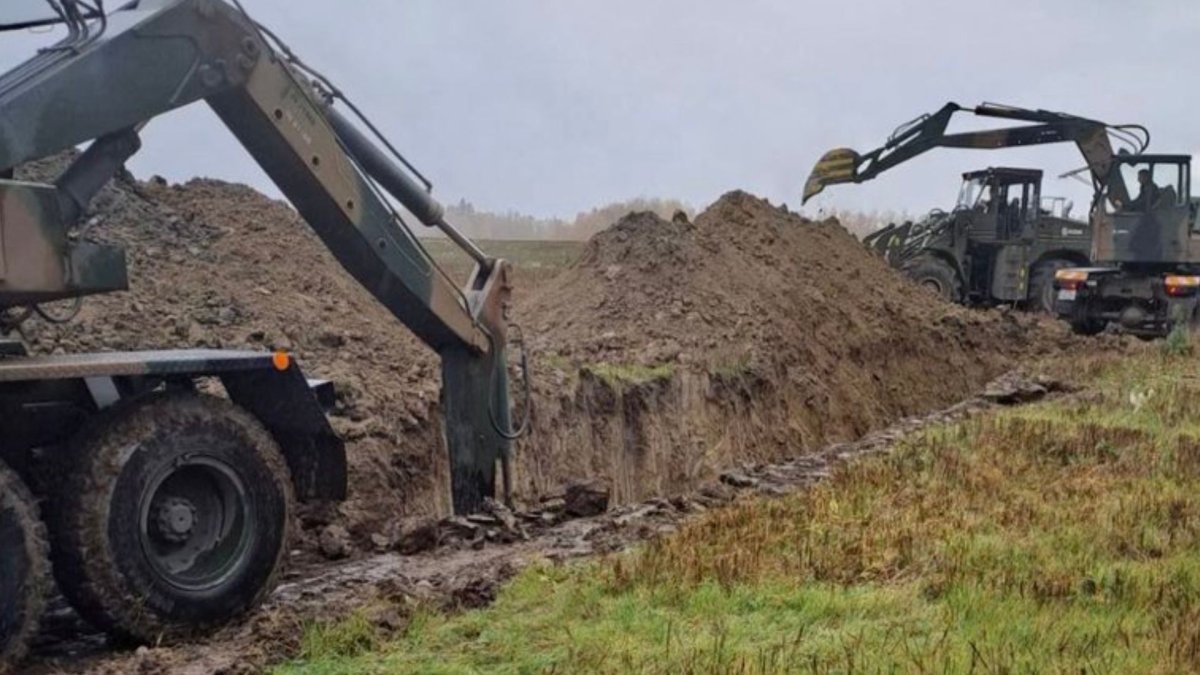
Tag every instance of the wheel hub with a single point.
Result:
(196, 523)
(175, 519)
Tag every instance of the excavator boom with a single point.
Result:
(1093, 138)
(112, 75)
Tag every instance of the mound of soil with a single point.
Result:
(219, 265)
(748, 313)
(749, 285)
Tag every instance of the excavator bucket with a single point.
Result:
(836, 166)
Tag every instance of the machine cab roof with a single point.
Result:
(1005, 175)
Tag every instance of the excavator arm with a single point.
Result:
(110, 76)
(1094, 140)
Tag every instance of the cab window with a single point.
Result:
(1149, 187)
(974, 192)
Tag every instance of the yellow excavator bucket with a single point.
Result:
(836, 166)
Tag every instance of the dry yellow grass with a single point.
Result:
(1056, 537)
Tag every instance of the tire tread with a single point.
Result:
(83, 561)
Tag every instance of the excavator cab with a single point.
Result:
(1144, 212)
(1001, 202)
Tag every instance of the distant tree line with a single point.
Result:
(862, 223)
(481, 224)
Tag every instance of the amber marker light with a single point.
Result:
(1180, 286)
(281, 360)
(1070, 279)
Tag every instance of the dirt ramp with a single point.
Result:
(673, 348)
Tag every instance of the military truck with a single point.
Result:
(1146, 272)
(1105, 148)
(1002, 243)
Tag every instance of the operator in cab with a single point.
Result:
(1147, 196)
(1146, 239)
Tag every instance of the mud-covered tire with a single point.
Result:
(24, 570)
(936, 275)
(1041, 285)
(127, 551)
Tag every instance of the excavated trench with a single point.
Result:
(674, 349)
(469, 559)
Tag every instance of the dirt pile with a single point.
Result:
(219, 265)
(750, 333)
(749, 283)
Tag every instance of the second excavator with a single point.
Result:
(1144, 271)
(1003, 242)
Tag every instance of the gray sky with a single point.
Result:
(554, 106)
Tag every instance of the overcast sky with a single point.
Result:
(554, 106)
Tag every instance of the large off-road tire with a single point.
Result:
(24, 570)
(1041, 284)
(936, 275)
(172, 519)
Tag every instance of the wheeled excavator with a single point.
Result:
(1144, 270)
(164, 511)
(1001, 243)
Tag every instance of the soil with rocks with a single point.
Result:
(673, 348)
(752, 286)
(218, 265)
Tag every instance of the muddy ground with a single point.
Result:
(464, 572)
(669, 352)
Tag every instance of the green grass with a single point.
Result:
(534, 261)
(1062, 537)
(621, 374)
(345, 638)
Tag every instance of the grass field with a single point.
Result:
(1059, 537)
(534, 261)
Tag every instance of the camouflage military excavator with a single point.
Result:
(1002, 242)
(167, 510)
(1144, 274)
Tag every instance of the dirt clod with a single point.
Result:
(334, 542)
(418, 536)
(738, 479)
(585, 499)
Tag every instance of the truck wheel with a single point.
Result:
(24, 571)
(1041, 285)
(173, 517)
(936, 275)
